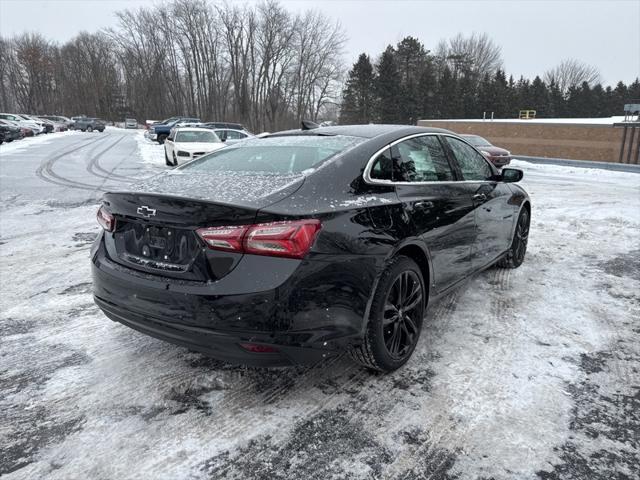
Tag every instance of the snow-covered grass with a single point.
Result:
(151, 152)
(519, 372)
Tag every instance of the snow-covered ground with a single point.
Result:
(520, 374)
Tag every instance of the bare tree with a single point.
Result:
(476, 54)
(571, 73)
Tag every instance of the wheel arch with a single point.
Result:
(419, 253)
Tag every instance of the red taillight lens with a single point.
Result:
(257, 348)
(281, 239)
(106, 220)
(224, 238)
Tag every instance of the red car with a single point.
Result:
(498, 156)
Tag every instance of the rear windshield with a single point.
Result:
(194, 136)
(276, 155)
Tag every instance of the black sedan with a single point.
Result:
(295, 247)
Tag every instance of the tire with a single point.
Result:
(83, 129)
(379, 351)
(518, 249)
(166, 160)
(89, 128)
(175, 160)
(162, 138)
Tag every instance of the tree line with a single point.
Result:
(464, 78)
(259, 65)
(268, 68)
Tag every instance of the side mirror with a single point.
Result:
(512, 175)
(169, 139)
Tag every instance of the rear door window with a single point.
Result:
(421, 159)
(472, 165)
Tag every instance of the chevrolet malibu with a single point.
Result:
(298, 246)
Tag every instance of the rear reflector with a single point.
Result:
(106, 220)
(281, 239)
(256, 348)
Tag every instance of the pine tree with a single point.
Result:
(359, 94)
(411, 59)
(540, 100)
(389, 96)
(449, 104)
(428, 91)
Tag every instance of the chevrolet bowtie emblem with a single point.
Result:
(146, 211)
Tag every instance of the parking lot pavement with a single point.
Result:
(527, 373)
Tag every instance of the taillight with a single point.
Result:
(281, 239)
(106, 220)
(223, 238)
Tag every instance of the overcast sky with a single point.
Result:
(534, 35)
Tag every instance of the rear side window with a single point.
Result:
(472, 165)
(422, 159)
(383, 166)
(276, 155)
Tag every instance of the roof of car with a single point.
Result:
(365, 131)
(197, 129)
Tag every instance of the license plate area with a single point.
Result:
(155, 246)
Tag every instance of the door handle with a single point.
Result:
(423, 205)
(479, 197)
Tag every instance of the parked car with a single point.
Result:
(67, 122)
(10, 132)
(88, 124)
(130, 123)
(23, 122)
(24, 131)
(301, 245)
(231, 125)
(47, 124)
(498, 156)
(160, 131)
(187, 143)
(230, 135)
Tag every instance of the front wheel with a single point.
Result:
(89, 128)
(515, 255)
(162, 138)
(396, 317)
(175, 160)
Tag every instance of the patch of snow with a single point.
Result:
(27, 142)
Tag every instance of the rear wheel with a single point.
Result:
(89, 128)
(396, 317)
(518, 249)
(162, 138)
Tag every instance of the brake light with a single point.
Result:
(223, 238)
(281, 239)
(257, 348)
(106, 220)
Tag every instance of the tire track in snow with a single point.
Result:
(94, 167)
(45, 170)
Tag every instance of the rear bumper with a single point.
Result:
(302, 318)
(220, 345)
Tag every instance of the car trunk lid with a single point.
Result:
(156, 232)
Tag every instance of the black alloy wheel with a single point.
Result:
(515, 256)
(396, 317)
(400, 325)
